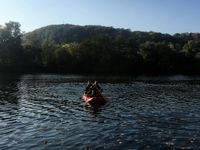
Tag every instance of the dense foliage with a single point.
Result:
(98, 49)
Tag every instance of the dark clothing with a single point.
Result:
(93, 89)
(88, 87)
(98, 87)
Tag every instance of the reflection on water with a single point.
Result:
(45, 112)
(8, 89)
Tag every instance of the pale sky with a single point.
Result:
(166, 16)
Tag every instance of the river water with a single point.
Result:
(45, 112)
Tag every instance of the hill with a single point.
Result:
(98, 49)
(67, 33)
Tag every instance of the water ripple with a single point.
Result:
(45, 112)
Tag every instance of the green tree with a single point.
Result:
(10, 44)
(191, 48)
(65, 56)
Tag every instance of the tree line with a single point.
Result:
(97, 49)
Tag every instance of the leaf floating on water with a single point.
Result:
(185, 148)
(192, 140)
(169, 143)
(45, 142)
(119, 141)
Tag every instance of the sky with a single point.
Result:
(166, 16)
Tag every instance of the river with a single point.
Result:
(44, 111)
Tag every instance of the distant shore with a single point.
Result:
(97, 50)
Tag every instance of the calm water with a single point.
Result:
(45, 112)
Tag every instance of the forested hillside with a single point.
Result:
(98, 49)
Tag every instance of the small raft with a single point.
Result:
(93, 101)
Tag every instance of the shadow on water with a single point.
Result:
(94, 110)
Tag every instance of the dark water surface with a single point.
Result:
(45, 112)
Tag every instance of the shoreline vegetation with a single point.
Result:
(91, 49)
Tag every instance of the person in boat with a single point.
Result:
(88, 87)
(93, 89)
(97, 87)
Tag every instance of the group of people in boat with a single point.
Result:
(93, 89)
